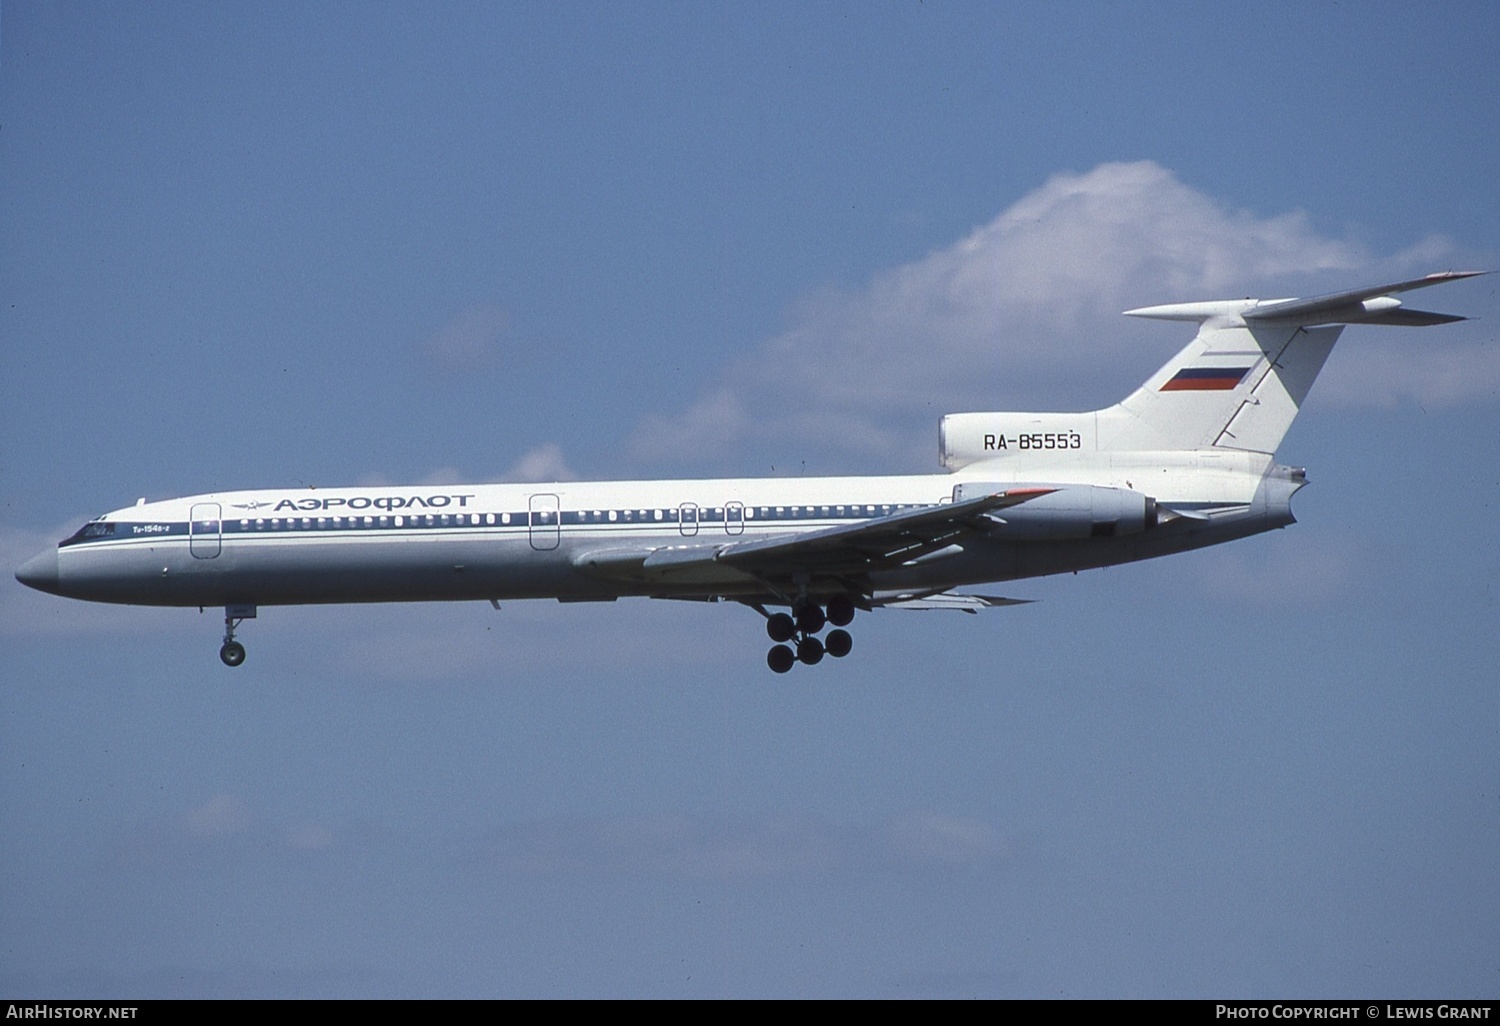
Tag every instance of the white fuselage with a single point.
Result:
(1184, 461)
(561, 540)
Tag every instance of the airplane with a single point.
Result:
(1185, 461)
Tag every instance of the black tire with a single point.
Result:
(232, 654)
(841, 611)
(780, 659)
(810, 651)
(810, 619)
(838, 643)
(780, 627)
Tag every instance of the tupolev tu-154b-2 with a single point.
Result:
(1185, 461)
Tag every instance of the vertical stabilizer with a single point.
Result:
(1240, 383)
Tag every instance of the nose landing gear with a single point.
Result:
(802, 626)
(232, 653)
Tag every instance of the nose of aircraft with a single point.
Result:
(40, 572)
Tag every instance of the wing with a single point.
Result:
(847, 553)
(879, 544)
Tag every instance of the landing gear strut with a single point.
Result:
(232, 653)
(801, 628)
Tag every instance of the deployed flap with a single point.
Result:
(942, 600)
(635, 561)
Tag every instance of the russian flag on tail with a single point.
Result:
(1205, 379)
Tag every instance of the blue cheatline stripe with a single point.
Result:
(110, 532)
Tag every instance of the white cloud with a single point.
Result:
(443, 476)
(221, 832)
(470, 342)
(1025, 302)
(749, 849)
(713, 422)
(310, 837)
(543, 463)
(926, 836)
(1387, 371)
(222, 814)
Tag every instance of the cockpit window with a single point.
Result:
(93, 529)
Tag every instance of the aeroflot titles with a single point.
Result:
(378, 502)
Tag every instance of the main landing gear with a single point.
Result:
(232, 653)
(802, 626)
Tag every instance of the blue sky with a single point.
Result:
(251, 246)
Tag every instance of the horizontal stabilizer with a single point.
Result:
(1371, 305)
(1240, 382)
(1360, 306)
(1404, 318)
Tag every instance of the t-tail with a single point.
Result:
(1238, 385)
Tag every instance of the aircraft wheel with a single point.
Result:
(840, 610)
(780, 627)
(839, 643)
(810, 619)
(780, 659)
(810, 651)
(233, 653)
